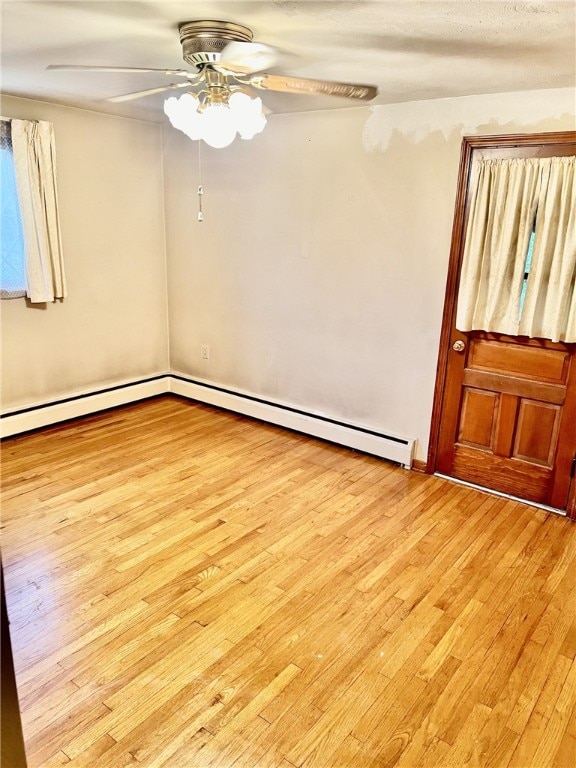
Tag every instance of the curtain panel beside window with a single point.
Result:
(511, 199)
(35, 169)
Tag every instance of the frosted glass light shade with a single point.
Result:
(216, 123)
(248, 114)
(218, 129)
(183, 114)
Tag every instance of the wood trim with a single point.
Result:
(571, 508)
(563, 142)
(449, 302)
(418, 466)
(511, 140)
(566, 447)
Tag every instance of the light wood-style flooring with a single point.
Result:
(194, 589)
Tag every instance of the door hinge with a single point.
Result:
(573, 469)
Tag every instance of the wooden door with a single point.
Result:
(505, 407)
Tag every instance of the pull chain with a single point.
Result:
(200, 187)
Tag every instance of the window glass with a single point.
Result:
(12, 264)
(527, 265)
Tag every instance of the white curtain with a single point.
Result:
(550, 307)
(508, 195)
(35, 169)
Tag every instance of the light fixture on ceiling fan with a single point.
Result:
(217, 113)
(227, 64)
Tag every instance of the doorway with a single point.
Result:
(504, 411)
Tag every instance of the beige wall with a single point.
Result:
(113, 326)
(318, 275)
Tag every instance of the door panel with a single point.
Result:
(501, 474)
(529, 362)
(478, 418)
(537, 432)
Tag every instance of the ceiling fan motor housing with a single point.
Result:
(204, 41)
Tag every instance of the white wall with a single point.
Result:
(113, 326)
(318, 275)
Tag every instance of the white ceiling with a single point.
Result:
(410, 49)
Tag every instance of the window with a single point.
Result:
(31, 259)
(12, 264)
(527, 266)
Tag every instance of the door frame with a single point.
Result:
(472, 148)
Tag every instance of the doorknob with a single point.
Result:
(459, 346)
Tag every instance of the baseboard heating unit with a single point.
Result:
(391, 447)
(81, 404)
(361, 438)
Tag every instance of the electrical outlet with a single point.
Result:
(205, 352)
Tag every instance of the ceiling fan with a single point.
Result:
(226, 63)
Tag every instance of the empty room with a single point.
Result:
(288, 358)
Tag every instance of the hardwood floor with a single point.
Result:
(194, 589)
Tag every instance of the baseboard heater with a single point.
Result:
(391, 447)
(386, 446)
(81, 404)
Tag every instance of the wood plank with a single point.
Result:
(505, 475)
(498, 382)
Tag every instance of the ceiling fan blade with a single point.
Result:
(85, 68)
(147, 92)
(307, 86)
(247, 58)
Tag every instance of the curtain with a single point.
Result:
(35, 169)
(550, 308)
(499, 227)
(510, 195)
